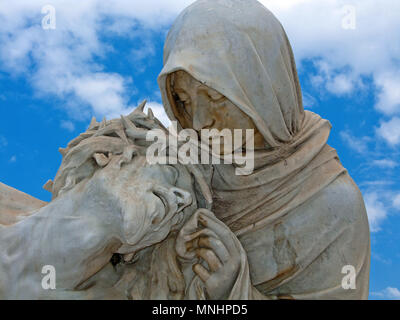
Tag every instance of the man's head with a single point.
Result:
(150, 200)
(106, 166)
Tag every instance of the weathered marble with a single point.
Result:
(299, 217)
(120, 228)
(117, 208)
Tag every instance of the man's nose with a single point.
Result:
(202, 117)
(183, 198)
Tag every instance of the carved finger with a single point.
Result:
(204, 187)
(191, 245)
(202, 272)
(222, 231)
(207, 239)
(216, 246)
(202, 232)
(209, 256)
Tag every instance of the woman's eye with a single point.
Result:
(184, 98)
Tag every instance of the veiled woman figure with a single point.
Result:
(295, 228)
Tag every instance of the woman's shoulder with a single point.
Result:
(343, 197)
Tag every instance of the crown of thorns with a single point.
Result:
(102, 140)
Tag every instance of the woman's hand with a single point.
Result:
(217, 248)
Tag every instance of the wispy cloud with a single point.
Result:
(390, 131)
(3, 142)
(337, 82)
(159, 112)
(377, 183)
(67, 125)
(381, 259)
(357, 144)
(308, 100)
(345, 58)
(345, 55)
(65, 62)
(396, 202)
(389, 94)
(376, 210)
(389, 293)
(385, 163)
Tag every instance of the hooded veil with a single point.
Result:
(240, 49)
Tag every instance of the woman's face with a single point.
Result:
(198, 107)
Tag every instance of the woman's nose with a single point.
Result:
(202, 115)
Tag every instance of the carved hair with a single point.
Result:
(125, 137)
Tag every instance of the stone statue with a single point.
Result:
(106, 200)
(121, 228)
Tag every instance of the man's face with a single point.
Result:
(145, 195)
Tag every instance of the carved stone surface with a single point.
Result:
(121, 228)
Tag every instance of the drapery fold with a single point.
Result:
(238, 48)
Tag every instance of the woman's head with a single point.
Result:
(197, 106)
(236, 57)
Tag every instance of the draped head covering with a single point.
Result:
(296, 233)
(240, 49)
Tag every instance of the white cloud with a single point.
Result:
(375, 209)
(390, 131)
(381, 259)
(393, 293)
(65, 63)
(376, 183)
(159, 112)
(62, 62)
(338, 83)
(157, 108)
(3, 142)
(385, 163)
(345, 58)
(67, 125)
(315, 30)
(104, 91)
(388, 293)
(359, 145)
(396, 202)
(389, 94)
(308, 100)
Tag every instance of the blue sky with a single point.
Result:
(103, 58)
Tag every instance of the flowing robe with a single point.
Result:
(299, 217)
